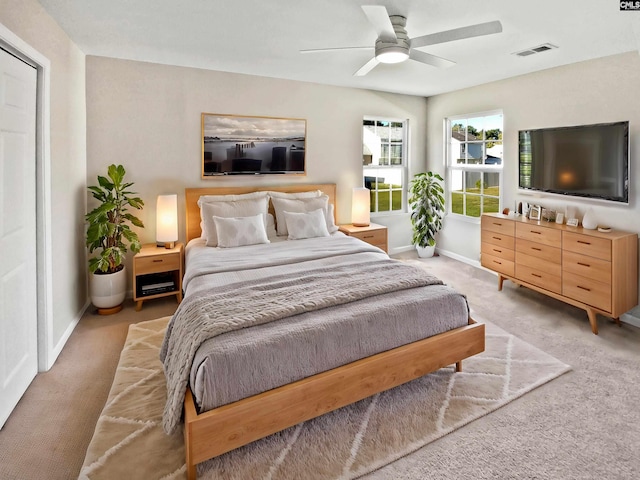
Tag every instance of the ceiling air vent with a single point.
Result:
(539, 49)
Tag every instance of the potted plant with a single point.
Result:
(426, 200)
(109, 232)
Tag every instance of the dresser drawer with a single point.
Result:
(586, 290)
(587, 245)
(505, 227)
(589, 267)
(157, 264)
(497, 264)
(545, 266)
(539, 250)
(539, 278)
(535, 233)
(498, 239)
(497, 251)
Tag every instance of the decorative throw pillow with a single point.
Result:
(240, 231)
(239, 208)
(306, 225)
(225, 198)
(301, 205)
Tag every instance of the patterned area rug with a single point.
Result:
(129, 441)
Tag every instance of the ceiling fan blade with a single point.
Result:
(335, 49)
(429, 59)
(379, 18)
(457, 34)
(367, 67)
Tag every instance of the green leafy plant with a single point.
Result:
(109, 222)
(426, 200)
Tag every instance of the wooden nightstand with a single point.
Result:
(157, 272)
(374, 234)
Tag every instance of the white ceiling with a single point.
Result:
(262, 37)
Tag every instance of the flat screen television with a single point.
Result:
(584, 161)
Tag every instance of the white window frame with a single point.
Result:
(403, 168)
(452, 166)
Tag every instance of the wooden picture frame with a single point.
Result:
(252, 145)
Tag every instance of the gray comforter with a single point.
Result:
(235, 300)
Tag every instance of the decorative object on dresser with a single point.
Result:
(157, 272)
(589, 220)
(109, 231)
(426, 201)
(595, 271)
(373, 234)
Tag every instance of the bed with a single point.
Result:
(366, 336)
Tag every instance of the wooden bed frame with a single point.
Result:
(226, 428)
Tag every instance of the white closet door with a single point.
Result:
(18, 288)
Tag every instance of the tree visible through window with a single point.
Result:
(474, 163)
(384, 163)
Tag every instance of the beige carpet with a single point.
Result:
(129, 442)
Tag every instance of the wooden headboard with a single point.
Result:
(193, 194)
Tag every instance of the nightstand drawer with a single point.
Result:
(157, 264)
(374, 237)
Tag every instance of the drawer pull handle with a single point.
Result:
(496, 250)
(157, 261)
(584, 288)
(536, 275)
(583, 264)
(368, 236)
(499, 263)
(497, 238)
(537, 233)
(536, 249)
(583, 242)
(497, 224)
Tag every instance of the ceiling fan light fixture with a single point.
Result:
(392, 54)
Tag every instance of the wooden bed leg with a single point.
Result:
(191, 472)
(459, 366)
(500, 280)
(189, 415)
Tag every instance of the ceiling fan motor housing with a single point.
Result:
(394, 51)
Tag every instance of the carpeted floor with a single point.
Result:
(582, 425)
(344, 444)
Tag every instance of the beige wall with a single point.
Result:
(28, 20)
(147, 117)
(597, 91)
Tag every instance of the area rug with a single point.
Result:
(129, 441)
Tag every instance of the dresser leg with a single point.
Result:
(592, 320)
(500, 280)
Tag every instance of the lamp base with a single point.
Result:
(166, 244)
(360, 224)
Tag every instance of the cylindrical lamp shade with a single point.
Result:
(167, 220)
(360, 206)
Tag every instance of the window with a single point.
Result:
(384, 163)
(474, 163)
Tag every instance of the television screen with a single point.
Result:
(585, 161)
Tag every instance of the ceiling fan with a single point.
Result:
(394, 45)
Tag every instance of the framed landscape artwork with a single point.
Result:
(243, 145)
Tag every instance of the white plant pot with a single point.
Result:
(425, 252)
(108, 290)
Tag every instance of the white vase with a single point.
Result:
(108, 290)
(589, 220)
(425, 252)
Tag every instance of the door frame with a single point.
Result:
(44, 266)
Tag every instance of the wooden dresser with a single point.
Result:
(592, 270)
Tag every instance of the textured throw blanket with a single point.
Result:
(214, 312)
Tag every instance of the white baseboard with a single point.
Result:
(632, 317)
(460, 258)
(397, 250)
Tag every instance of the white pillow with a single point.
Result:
(239, 208)
(240, 231)
(301, 205)
(306, 225)
(224, 198)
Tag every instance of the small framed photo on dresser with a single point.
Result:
(534, 212)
